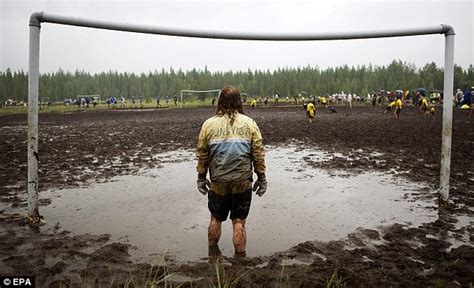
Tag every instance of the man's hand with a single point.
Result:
(203, 184)
(260, 185)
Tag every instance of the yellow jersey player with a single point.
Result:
(253, 103)
(310, 111)
(323, 101)
(424, 104)
(397, 104)
(398, 107)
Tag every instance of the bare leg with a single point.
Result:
(214, 231)
(214, 254)
(239, 236)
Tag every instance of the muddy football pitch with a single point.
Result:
(424, 245)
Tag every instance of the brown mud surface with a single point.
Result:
(81, 148)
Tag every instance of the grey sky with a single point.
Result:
(93, 50)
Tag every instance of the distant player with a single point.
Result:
(158, 98)
(310, 111)
(114, 102)
(424, 105)
(324, 101)
(276, 96)
(380, 99)
(141, 101)
(134, 102)
(175, 99)
(349, 100)
(167, 99)
(467, 99)
(122, 102)
(397, 105)
(253, 103)
(458, 98)
(374, 100)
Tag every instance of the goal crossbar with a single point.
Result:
(201, 91)
(33, 80)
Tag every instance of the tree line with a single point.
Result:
(61, 85)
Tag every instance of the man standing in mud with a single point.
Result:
(229, 146)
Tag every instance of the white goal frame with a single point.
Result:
(33, 80)
(198, 91)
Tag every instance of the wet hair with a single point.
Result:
(229, 103)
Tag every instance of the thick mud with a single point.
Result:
(356, 191)
(137, 209)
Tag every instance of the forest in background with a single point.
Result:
(289, 82)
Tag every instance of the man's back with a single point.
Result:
(230, 147)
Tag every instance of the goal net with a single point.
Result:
(190, 96)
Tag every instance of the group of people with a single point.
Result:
(230, 151)
(138, 103)
(264, 101)
(396, 100)
(112, 102)
(86, 102)
(462, 99)
(396, 103)
(167, 100)
(343, 98)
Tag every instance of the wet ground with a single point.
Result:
(306, 205)
(354, 193)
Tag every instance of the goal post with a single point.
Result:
(183, 92)
(33, 80)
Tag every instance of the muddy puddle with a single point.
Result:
(160, 212)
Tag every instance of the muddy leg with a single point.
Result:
(214, 254)
(214, 231)
(239, 236)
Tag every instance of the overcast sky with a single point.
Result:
(93, 50)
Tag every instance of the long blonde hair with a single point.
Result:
(229, 103)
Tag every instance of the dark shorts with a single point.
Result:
(398, 111)
(238, 204)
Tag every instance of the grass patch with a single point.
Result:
(335, 281)
(222, 280)
(157, 276)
